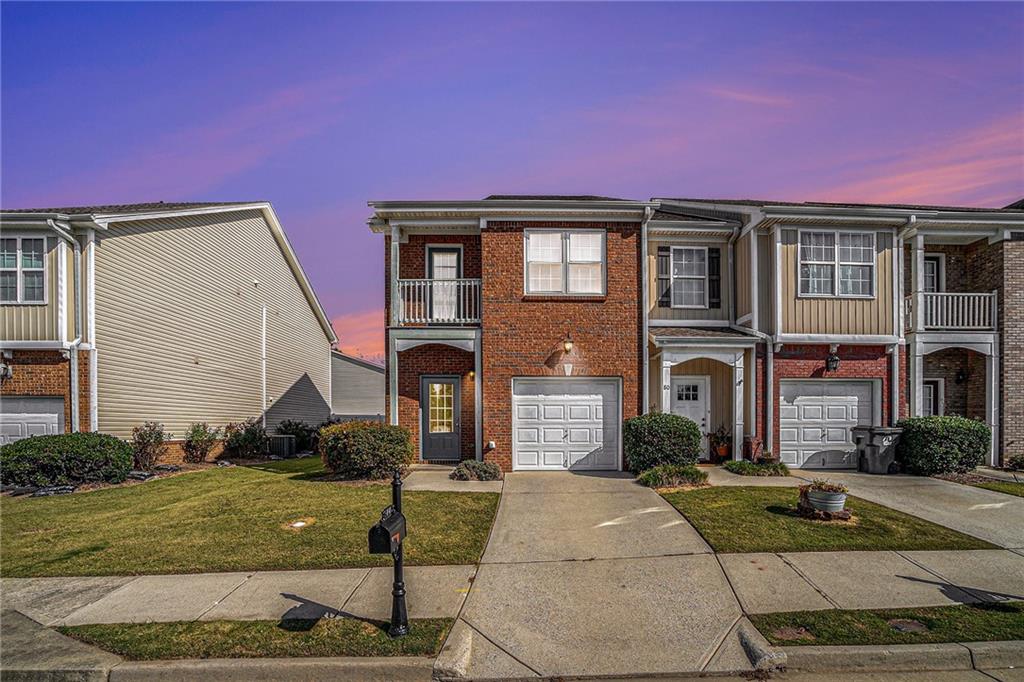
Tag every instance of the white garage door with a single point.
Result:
(815, 418)
(24, 417)
(560, 424)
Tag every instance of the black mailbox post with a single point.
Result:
(385, 537)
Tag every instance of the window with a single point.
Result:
(570, 262)
(932, 397)
(22, 270)
(689, 277)
(934, 275)
(840, 264)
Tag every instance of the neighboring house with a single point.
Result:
(357, 388)
(114, 315)
(523, 329)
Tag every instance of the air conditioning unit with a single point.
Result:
(282, 446)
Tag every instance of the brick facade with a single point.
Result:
(523, 335)
(46, 373)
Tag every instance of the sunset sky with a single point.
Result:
(319, 108)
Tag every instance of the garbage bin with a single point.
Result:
(876, 447)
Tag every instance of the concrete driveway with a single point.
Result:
(995, 517)
(579, 566)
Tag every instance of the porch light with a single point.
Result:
(567, 344)
(832, 362)
(472, 373)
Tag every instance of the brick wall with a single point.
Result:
(175, 454)
(855, 362)
(46, 373)
(522, 336)
(412, 255)
(436, 359)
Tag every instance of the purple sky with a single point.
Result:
(321, 107)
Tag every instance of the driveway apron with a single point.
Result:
(594, 575)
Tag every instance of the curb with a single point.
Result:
(401, 669)
(761, 654)
(905, 657)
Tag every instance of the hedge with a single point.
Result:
(657, 438)
(65, 459)
(942, 445)
(365, 449)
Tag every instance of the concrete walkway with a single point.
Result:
(435, 477)
(986, 514)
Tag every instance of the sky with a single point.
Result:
(321, 107)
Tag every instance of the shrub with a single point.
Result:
(657, 438)
(672, 476)
(745, 467)
(1015, 463)
(148, 444)
(199, 440)
(826, 486)
(365, 450)
(246, 440)
(472, 470)
(942, 445)
(65, 459)
(306, 435)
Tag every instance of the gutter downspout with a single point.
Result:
(644, 294)
(63, 230)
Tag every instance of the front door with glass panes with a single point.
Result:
(440, 411)
(444, 263)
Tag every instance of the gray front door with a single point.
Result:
(440, 407)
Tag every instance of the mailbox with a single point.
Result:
(387, 534)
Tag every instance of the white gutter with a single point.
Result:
(63, 231)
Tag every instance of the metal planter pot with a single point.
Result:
(825, 501)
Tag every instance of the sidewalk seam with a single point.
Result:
(965, 590)
(721, 642)
(354, 590)
(974, 666)
(221, 600)
(60, 622)
(589, 559)
(503, 649)
(808, 581)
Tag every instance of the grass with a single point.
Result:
(966, 623)
(262, 638)
(760, 519)
(743, 467)
(233, 519)
(1008, 487)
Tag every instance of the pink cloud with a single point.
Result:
(361, 334)
(751, 97)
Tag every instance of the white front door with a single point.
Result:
(565, 423)
(815, 418)
(690, 399)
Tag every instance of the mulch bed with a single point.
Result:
(972, 478)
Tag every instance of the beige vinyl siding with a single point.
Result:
(765, 283)
(657, 313)
(836, 315)
(178, 326)
(356, 390)
(743, 270)
(721, 387)
(35, 322)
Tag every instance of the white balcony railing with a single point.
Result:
(438, 301)
(951, 311)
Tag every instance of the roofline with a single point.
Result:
(359, 361)
(504, 204)
(781, 210)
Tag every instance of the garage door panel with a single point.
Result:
(810, 411)
(789, 412)
(527, 412)
(527, 435)
(553, 458)
(816, 418)
(579, 412)
(24, 416)
(549, 412)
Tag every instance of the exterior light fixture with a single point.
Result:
(472, 373)
(832, 362)
(961, 376)
(567, 343)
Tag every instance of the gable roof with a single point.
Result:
(357, 361)
(125, 209)
(830, 204)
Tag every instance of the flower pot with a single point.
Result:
(826, 501)
(722, 452)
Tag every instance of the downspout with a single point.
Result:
(63, 230)
(645, 378)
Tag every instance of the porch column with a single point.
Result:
(666, 385)
(393, 380)
(917, 278)
(916, 367)
(478, 396)
(737, 406)
(395, 303)
(992, 401)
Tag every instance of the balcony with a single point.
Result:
(948, 311)
(438, 301)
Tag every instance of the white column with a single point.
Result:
(395, 303)
(737, 406)
(393, 379)
(478, 395)
(895, 385)
(992, 401)
(916, 367)
(917, 277)
(666, 385)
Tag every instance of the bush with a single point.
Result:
(365, 450)
(745, 467)
(472, 470)
(826, 486)
(199, 440)
(148, 444)
(65, 459)
(246, 440)
(306, 435)
(1015, 463)
(942, 445)
(672, 476)
(656, 438)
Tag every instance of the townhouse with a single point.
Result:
(524, 329)
(115, 315)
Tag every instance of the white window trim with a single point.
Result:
(941, 273)
(564, 291)
(837, 264)
(672, 277)
(939, 399)
(18, 269)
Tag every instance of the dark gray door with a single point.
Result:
(440, 407)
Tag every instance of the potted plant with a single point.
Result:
(719, 440)
(826, 496)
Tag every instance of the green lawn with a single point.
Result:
(967, 623)
(1008, 487)
(262, 638)
(232, 519)
(760, 519)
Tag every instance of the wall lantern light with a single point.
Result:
(961, 376)
(567, 343)
(472, 373)
(832, 361)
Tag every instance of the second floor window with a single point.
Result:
(565, 262)
(689, 277)
(837, 264)
(22, 270)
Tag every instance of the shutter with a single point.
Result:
(714, 278)
(664, 277)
